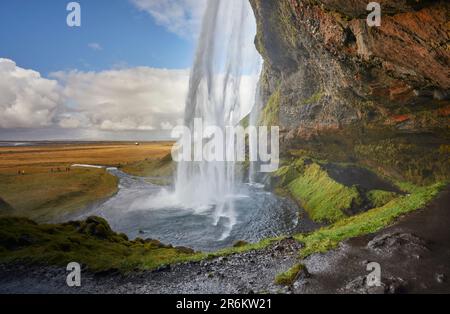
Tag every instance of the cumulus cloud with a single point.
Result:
(182, 17)
(129, 99)
(26, 99)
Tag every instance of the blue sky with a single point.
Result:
(35, 35)
(125, 70)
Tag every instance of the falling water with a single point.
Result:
(211, 207)
(221, 93)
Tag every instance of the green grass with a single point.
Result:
(45, 196)
(90, 242)
(159, 171)
(94, 244)
(380, 198)
(324, 199)
(369, 222)
(270, 114)
(315, 98)
(289, 277)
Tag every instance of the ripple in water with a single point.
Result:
(145, 210)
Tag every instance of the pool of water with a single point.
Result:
(141, 209)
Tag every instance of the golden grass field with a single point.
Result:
(36, 183)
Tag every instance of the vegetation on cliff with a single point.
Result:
(324, 199)
(90, 242)
(270, 114)
(291, 275)
(369, 222)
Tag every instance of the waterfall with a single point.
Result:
(221, 92)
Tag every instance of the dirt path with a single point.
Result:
(414, 256)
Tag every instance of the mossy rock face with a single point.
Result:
(271, 112)
(324, 199)
(293, 274)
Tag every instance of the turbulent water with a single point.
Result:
(225, 55)
(141, 209)
(210, 206)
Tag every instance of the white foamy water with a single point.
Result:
(225, 55)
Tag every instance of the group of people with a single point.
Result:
(67, 169)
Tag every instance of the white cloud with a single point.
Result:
(95, 46)
(132, 99)
(182, 17)
(26, 99)
(129, 99)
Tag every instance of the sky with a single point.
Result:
(124, 73)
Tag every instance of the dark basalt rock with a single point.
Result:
(391, 285)
(345, 88)
(404, 243)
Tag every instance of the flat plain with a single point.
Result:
(38, 181)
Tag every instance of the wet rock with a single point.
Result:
(392, 285)
(396, 242)
(164, 268)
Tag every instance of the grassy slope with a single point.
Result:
(369, 222)
(44, 193)
(324, 199)
(156, 168)
(380, 198)
(90, 242)
(94, 244)
(321, 194)
(44, 196)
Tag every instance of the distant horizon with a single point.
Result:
(48, 135)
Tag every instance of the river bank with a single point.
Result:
(342, 270)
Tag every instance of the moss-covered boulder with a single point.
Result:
(90, 242)
(293, 274)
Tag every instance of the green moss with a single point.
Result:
(324, 199)
(420, 161)
(93, 243)
(240, 243)
(315, 98)
(289, 277)
(369, 222)
(90, 242)
(379, 198)
(270, 114)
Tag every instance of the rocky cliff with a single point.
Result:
(343, 91)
